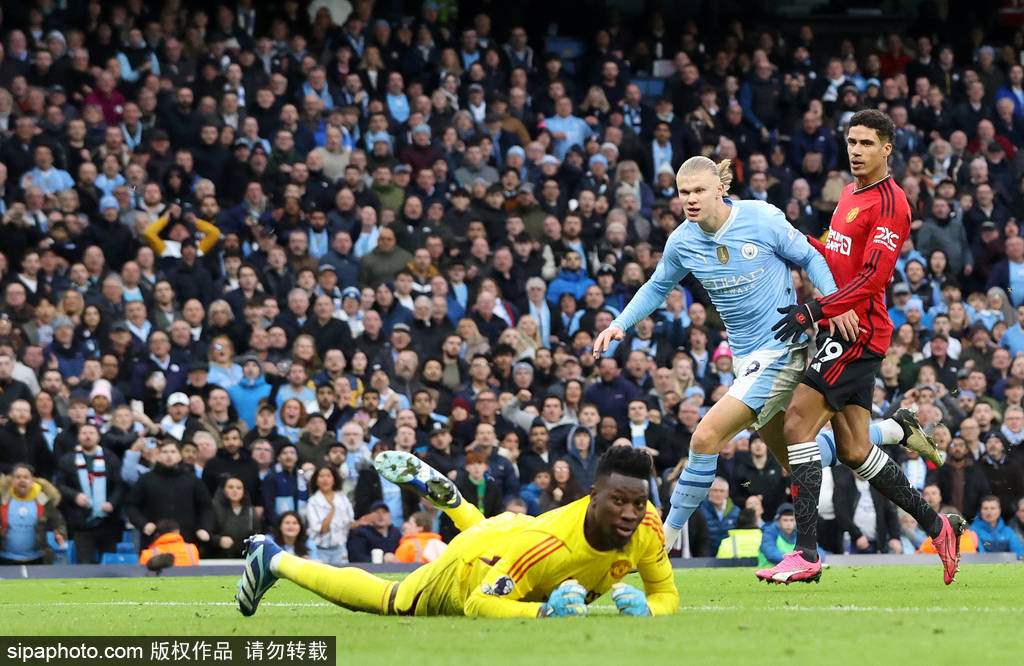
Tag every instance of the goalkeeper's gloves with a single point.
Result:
(629, 600)
(798, 319)
(569, 598)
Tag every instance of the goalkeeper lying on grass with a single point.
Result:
(511, 565)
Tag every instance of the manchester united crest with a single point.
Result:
(620, 568)
(852, 214)
(723, 254)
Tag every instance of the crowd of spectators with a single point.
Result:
(245, 248)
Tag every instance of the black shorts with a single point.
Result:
(844, 372)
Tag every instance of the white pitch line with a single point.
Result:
(154, 603)
(856, 609)
(804, 609)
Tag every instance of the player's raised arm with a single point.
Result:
(669, 272)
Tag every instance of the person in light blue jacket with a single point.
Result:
(995, 536)
(250, 389)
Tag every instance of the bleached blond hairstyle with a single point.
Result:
(699, 163)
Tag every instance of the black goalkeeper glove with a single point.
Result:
(796, 320)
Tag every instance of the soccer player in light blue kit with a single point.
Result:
(738, 252)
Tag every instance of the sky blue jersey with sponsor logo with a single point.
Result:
(742, 268)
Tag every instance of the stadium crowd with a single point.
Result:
(244, 250)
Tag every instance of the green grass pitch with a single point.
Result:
(863, 616)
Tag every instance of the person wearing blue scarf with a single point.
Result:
(89, 480)
(317, 85)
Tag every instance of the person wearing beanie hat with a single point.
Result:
(598, 179)
(722, 362)
(779, 537)
(100, 399)
(69, 352)
(107, 202)
(107, 232)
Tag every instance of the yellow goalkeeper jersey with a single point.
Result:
(507, 565)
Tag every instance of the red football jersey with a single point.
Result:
(864, 240)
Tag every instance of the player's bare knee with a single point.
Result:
(798, 429)
(853, 455)
(705, 440)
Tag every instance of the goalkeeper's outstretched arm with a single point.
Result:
(656, 571)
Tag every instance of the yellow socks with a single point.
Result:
(349, 587)
(465, 515)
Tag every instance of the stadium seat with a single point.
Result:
(650, 87)
(60, 553)
(119, 558)
(570, 49)
(126, 548)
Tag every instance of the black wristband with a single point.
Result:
(814, 309)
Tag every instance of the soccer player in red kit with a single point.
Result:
(867, 231)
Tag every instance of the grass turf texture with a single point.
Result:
(893, 613)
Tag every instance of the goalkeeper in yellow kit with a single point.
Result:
(510, 565)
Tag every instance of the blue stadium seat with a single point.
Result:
(650, 87)
(126, 548)
(72, 553)
(119, 558)
(60, 553)
(570, 49)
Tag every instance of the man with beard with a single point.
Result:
(169, 491)
(961, 481)
(232, 461)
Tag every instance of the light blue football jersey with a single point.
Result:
(742, 267)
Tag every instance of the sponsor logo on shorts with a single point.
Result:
(752, 368)
(501, 587)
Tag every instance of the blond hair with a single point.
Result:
(698, 163)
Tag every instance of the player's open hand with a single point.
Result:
(629, 600)
(795, 322)
(848, 325)
(569, 598)
(605, 337)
